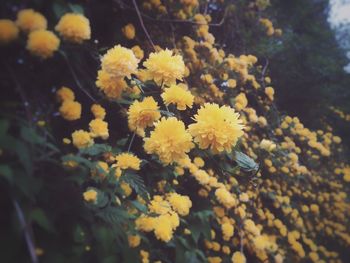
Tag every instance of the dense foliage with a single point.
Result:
(147, 131)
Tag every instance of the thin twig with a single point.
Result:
(264, 72)
(28, 237)
(142, 24)
(76, 79)
(241, 234)
(131, 141)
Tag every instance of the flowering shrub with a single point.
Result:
(164, 147)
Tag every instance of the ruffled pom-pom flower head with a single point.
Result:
(119, 62)
(169, 140)
(8, 31)
(164, 67)
(29, 20)
(217, 128)
(42, 43)
(74, 28)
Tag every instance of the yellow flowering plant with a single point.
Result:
(151, 139)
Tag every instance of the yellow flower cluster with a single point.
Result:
(127, 161)
(165, 68)
(143, 114)
(74, 28)
(99, 128)
(119, 62)
(90, 196)
(167, 220)
(29, 20)
(129, 31)
(178, 95)
(169, 140)
(70, 110)
(206, 133)
(82, 139)
(42, 43)
(8, 31)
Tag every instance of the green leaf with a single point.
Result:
(96, 149)
(245, 162)
(135, 182)
(38, 216)
(4, 126)
(76, 8)
(28, 134)
(6, 172)
(59, 9)
(139, 206)
(80, 160)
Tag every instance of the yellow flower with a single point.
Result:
(163, 229)
(227, 231)
(98, 111)
(129, 31)
(250, 226)
(145, 223)
(231, 83)
(90, 196)
(180, 203)
(120, 62)
(134, 240)
(138, 52)
(8, 31)
(241, 101)
(179, 96)
(64, 94)
(99, 128)
(216, 127)
(82, 139)
(199, 162)
(70, 110)
(74, 28)
(128, 161)
(267, 145)
(126, 188)
(29, 20)
(143, 114)
(225, 197)
(164, 67)
(238, 257)
(111, 87)
(42, 43)
(269, 91)
(169, 140)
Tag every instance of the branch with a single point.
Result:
(77, 81)
(142, 24)
(28, 237)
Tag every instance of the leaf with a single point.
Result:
(135, 182)
(24, 155)
(76, 8)
(139, 206)
(38, 216)
(29, 135)
(96, 149)
(245, 162)
(114, 215)
(59, 9)
(6, 172)
(78, 159)
(4, 126)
